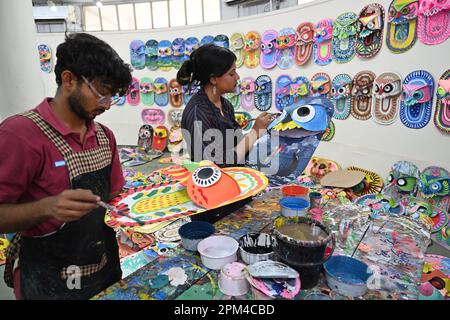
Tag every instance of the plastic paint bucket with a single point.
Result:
(294, 207)
(295, 191)
(347, 275)
(304, 255)
(193, 232)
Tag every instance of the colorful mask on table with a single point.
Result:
(417, 99)
(237, 46)
(243, 119)
(159, 138)
(222, 40)
(361, 101)
(252, 51)
(175, 117)
(282, 92)
(165, 55)
(372, 182)
(402, 23)
(175, 94)
(369, 28)
(151, 54)
(285, 43)
(387, 91)
(235, 97)
(263, 93)
(293, 137)
(344, 37)
(146, 91)
(133, 96)
(433, 25)
(194, 188)
(341, 88)
(322, 45)
(45, 58)
(299, 89)
(320, 85)
(442, 113)
(161, 94)
(178, 56)
(268, 58)
(247, 93)
(434, 187)
(137, 54)
(153, 116)
(305, 42)
(402, 181)
(319, 167)
(145, 136)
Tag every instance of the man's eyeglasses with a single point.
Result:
(102, 100)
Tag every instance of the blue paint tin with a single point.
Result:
(193, 232)
(347, 275)
(293, 207)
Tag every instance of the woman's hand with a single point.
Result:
(262, 122)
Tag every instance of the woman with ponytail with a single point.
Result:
(211, 131)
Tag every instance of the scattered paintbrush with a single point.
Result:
(364, 234)
(120, 212)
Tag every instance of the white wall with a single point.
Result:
(361, 143)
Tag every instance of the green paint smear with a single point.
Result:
(159, 282)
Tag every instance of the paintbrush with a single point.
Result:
(364, 234)
(274, 116)
(119, 212)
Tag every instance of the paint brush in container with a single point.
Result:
(120, 212)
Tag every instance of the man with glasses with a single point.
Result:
(56, 165)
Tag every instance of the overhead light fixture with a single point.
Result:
(99, 4)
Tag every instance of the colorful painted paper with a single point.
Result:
(417, 99)
(387, 93)
(402, 24)
(341, 88)
(170, 200)
(433, 22)
(442, 113)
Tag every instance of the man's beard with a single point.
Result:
(76, 105)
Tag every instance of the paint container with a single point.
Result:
(315, 198)
(347, 275)
(294, 207)
(302, 244)
(295, 191)
(316, 214)
(317, 296)
(255, 247)
(232, 280)
(217, 251)
(193, 232)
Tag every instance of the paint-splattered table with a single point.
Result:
(396, 250)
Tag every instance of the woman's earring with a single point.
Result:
(214, 90)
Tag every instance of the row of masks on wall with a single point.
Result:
(384, 98)
(338, 40)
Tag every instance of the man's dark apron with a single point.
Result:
(84, 251)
